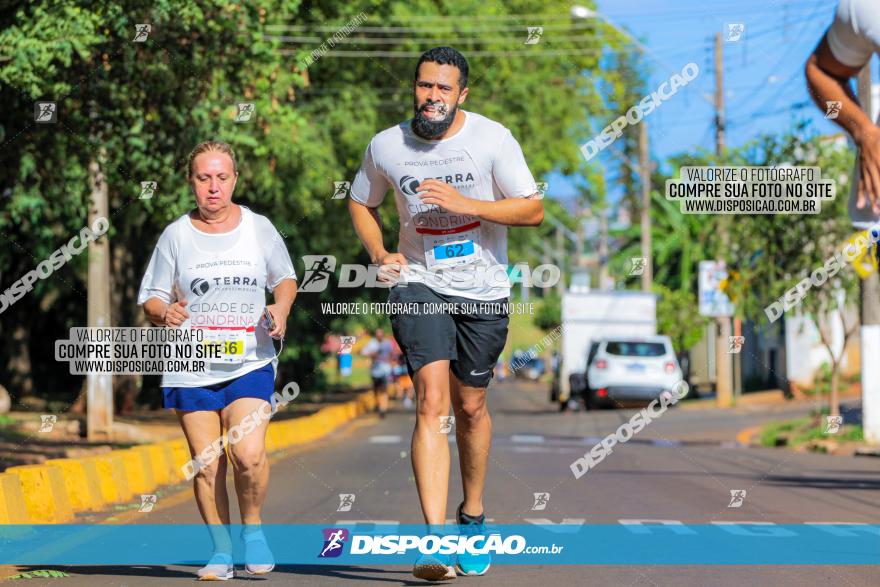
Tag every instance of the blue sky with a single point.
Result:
(763, 72)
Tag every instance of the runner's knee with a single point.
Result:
(471, 410)
(213, 472)
(432, 403)
(246, 458)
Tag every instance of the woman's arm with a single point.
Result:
(284, 294)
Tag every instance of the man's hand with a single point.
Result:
(434, 191)
(175, 314)
(390, 267)
(868, 141)
(279, 315)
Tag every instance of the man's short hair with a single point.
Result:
(446, 56)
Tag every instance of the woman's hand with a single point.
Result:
(175, 314)
(279, 314)
(162, 314)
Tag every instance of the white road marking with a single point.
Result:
(527, 438)
(386, 439)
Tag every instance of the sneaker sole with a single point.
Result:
(212, 577)
(434, 572)
(266, 572)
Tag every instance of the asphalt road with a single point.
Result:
(681, 467)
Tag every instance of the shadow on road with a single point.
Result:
(131, 571)
(823, 482)
(336, 572)
(352, 573)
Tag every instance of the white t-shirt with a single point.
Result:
(853, 37)
(223, 277)
(381, 362)
(454, 254)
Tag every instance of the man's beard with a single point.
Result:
(428, 128)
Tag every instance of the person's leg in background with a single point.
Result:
(380, 390)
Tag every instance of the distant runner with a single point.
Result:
(381, 351)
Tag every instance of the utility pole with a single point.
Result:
(560, 255)
(99, 386)
(645, 183)
(719, 96)
(604, 277)
(723, 370)
(869, 334)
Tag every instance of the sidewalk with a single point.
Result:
(770, 397)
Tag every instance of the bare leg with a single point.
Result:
(209, 485)
(381, 392)
(473, 433)
(250, 466)
(430, 447)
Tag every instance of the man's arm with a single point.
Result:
(829, 80)
(509, 211)
(368, 227)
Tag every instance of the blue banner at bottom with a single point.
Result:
(521, 544)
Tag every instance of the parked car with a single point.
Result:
(631, 370)
(577, 384)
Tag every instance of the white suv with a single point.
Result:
(631, 370)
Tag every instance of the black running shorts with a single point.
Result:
(430, 326)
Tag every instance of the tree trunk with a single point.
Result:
(834, 400)
(99, 400)
(21, 382)
(5, 400)
(79, 405)
(125, 280)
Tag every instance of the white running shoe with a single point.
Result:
(258, 559)
(219, 568)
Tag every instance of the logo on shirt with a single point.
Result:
(409, 185)
(199, 286)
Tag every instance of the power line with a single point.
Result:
(453, 29)
(411, 54)
(398, 40)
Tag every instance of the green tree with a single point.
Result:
(136, 109)
(676, 317)
(548, 316)
(771, 254)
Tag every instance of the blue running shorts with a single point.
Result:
(259, 383)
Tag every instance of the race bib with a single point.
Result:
(453, 249)
(231, 344)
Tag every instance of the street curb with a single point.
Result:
(53, 492)
(12, 508)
